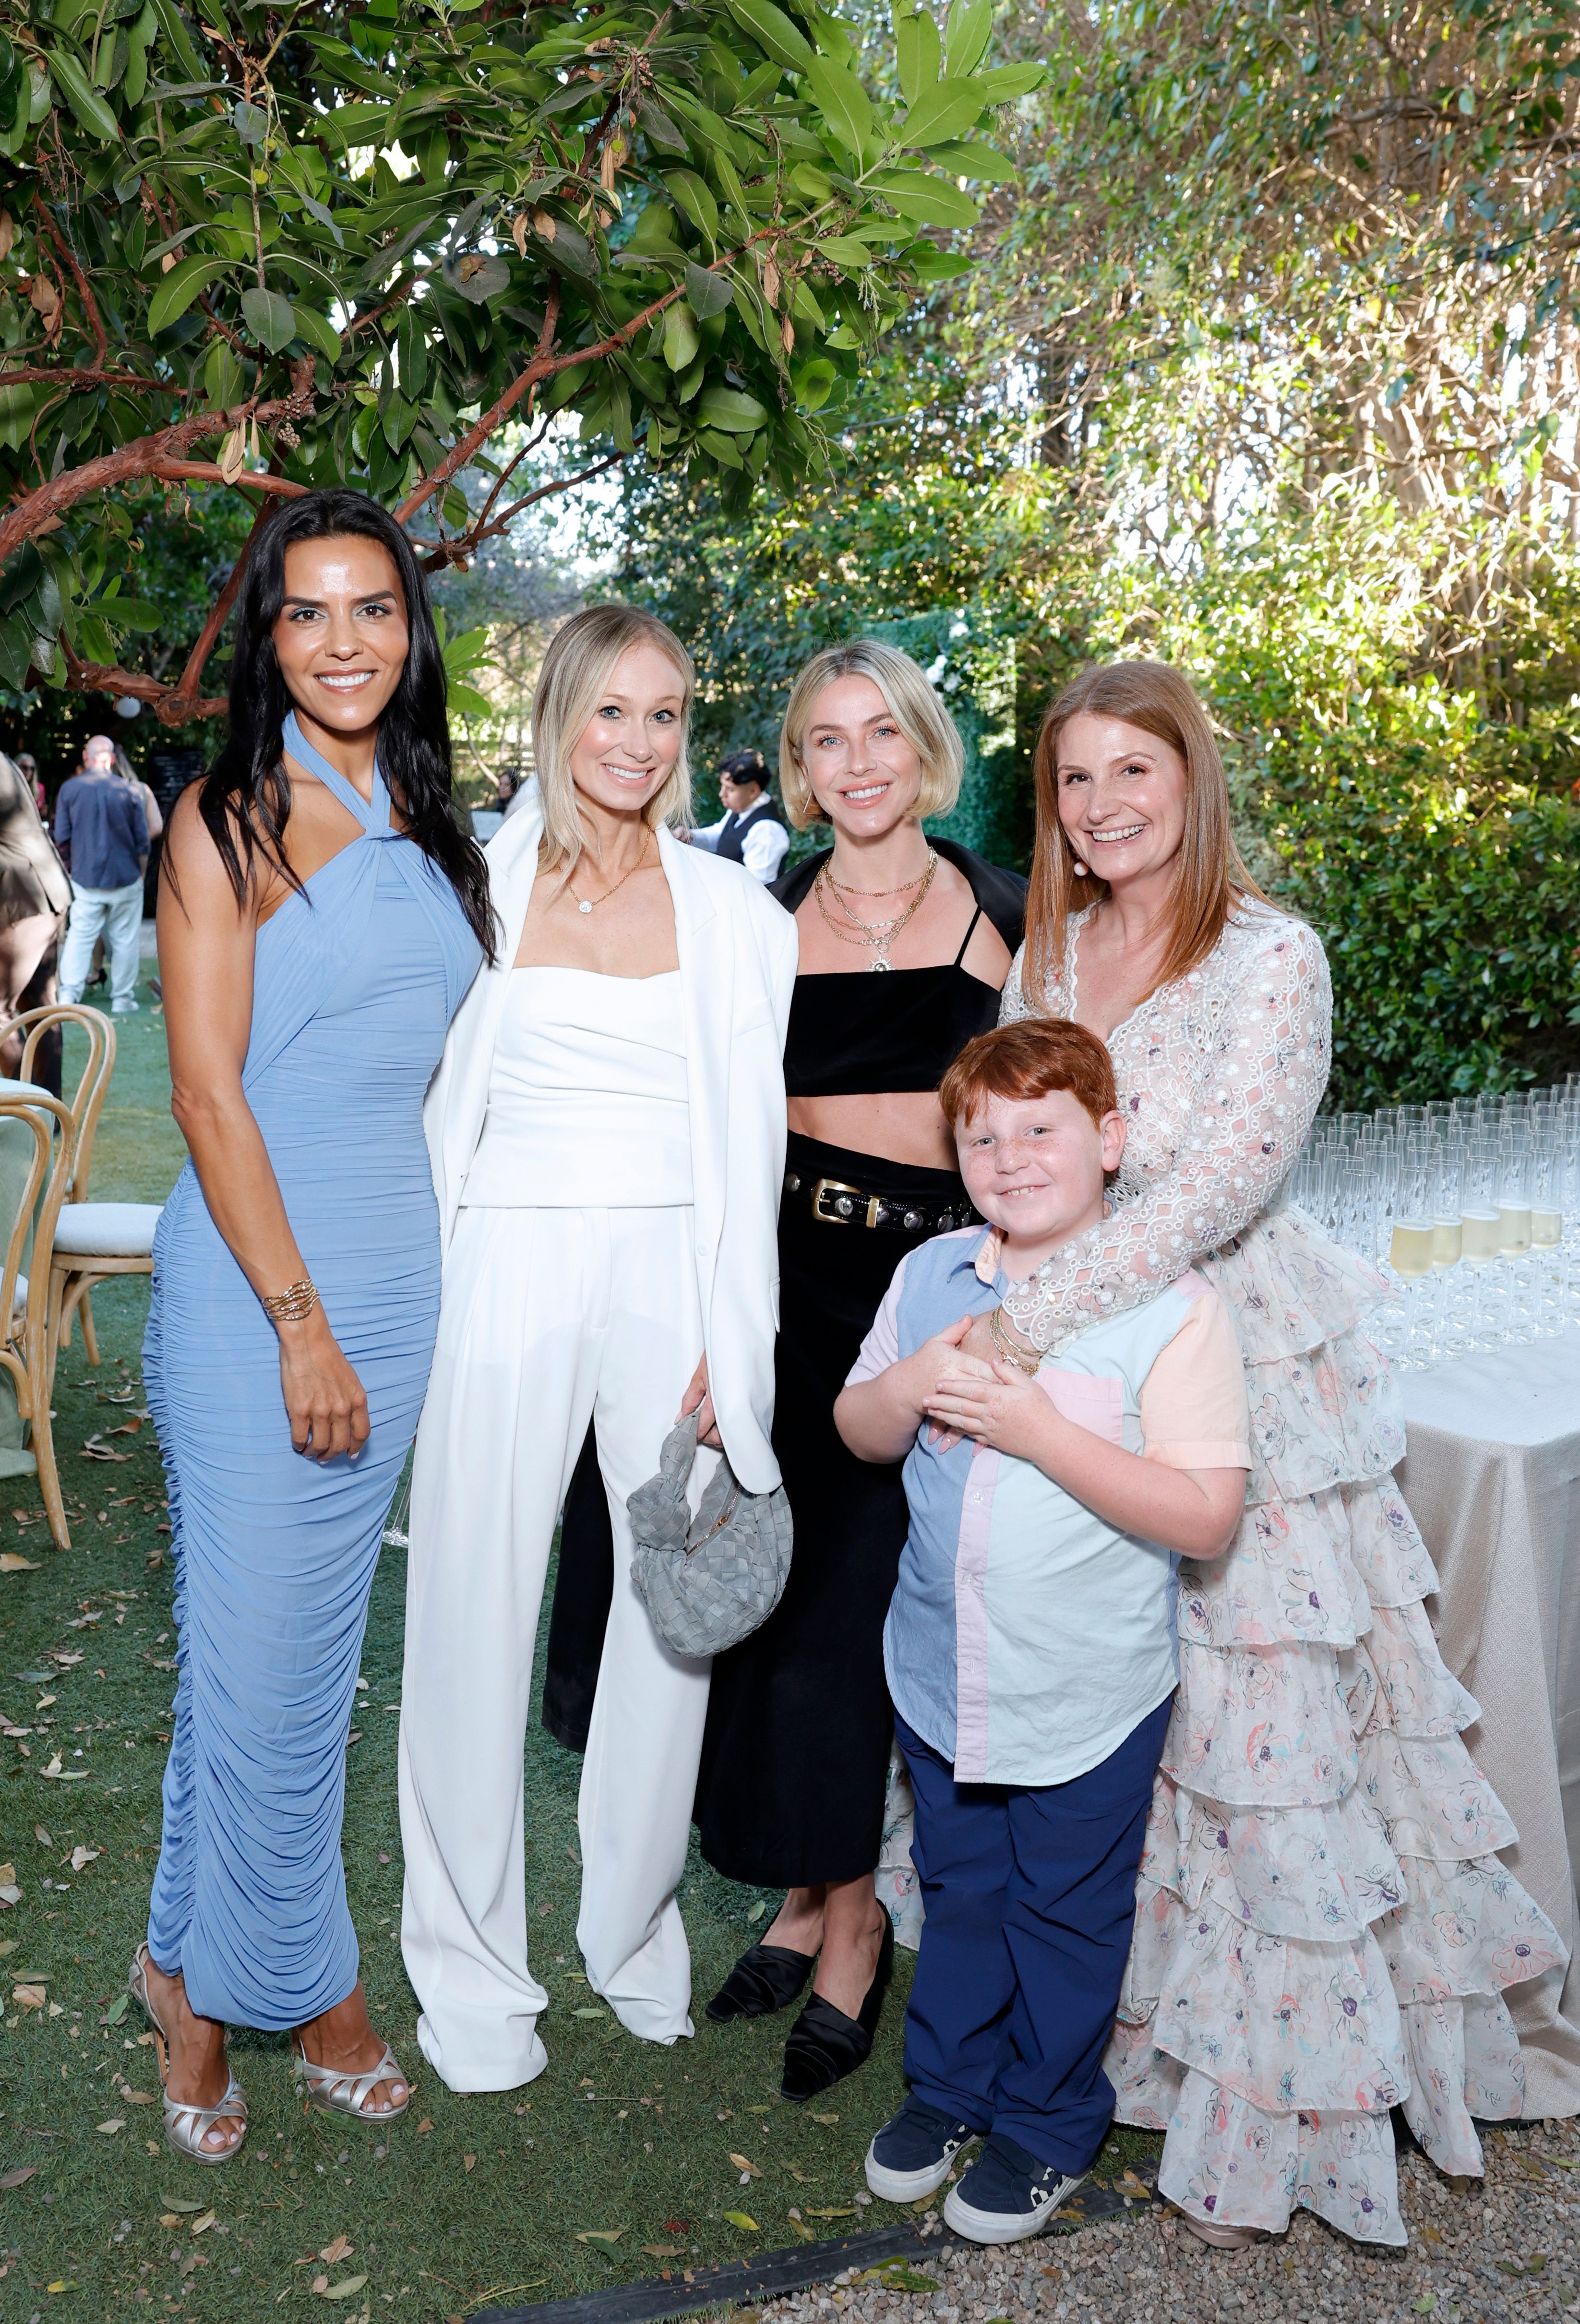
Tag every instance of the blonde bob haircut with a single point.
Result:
(915, 707)
(575, 678)
(1209, 879)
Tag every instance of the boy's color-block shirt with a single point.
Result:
(1027, 1637)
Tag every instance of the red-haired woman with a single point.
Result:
(1323, 1927)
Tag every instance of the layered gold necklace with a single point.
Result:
(876, 936)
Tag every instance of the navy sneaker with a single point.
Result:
(1007, 2194)
(912, 2155)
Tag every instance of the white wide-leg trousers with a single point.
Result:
(549, 1316)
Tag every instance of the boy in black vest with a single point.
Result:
(752, 830)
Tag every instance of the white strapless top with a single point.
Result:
(587, 1100)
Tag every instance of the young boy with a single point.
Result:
(1030, 1646)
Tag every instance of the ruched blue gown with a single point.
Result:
(357, 979)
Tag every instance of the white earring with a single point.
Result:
(1080, 867)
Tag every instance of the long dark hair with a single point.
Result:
(246, 797)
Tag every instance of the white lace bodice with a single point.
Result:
(1219, 1076)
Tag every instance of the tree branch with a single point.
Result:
(140, 458)
(184, 692)
(209, 472)
(457, 551)
(51, 376)
(64, 250)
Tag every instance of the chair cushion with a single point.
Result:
(107, 1230)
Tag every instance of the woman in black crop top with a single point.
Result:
(796, 1755)
(799, 1727)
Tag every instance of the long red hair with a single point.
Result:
(1210, 878)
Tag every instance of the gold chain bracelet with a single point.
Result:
(292, 1305)
(1025, 1360)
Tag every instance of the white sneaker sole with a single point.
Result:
(910, 2186)
(1005, 2226)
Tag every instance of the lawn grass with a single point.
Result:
(470, 2200)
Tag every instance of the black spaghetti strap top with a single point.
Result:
(856, 1034)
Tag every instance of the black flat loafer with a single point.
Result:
(825, 2045)
(765, 1979)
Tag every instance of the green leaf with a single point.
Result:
(1003, 84)
(659, 126)
(773, 33)
(843, 103)
(729, 409)
(942, 112)
(929, 200)
(708, 293)
(972, 159)
(480, 275)
(83, 98)
(317, 331)
(179, 287)
(681, 339)
(223, 380)
(130, 614)
(921, 59)
(939, 265)
(740, 2220)
(691, 195)
(271, 320)
(351, 124)
(965, 35)
(813, 382)
(846, 251)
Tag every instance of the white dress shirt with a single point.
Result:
(763, 849)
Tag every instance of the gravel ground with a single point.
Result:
(1505, 2246)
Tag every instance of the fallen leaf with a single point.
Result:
(168, 2219)
(179, 2203)
(663, 2250)
(63, 2284)
(320, 2284)
(117, 2122)
(468, 2161)
(589, 2012)
(601, 2236)
(756, 1913)
(9, 1894)
(81, 1858)
(846, 2211)
(11, 1562)
(341, 2248)
(200, 2226)
(423, 2127)
(28, 1997)
(117, 2009)
(19, 2177)
(806, 2234)
(96, 1449)
(344, 2289)
(136, 2098)
(740, 2220)
(825, 2117)
(741, 2163)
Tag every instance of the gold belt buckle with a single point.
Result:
(834, 1218)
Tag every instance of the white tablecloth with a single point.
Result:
(1492, 1478)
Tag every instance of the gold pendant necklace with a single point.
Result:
(874, 938)
(584, 904)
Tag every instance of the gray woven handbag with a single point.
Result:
(707, 1581)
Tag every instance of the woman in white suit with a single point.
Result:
(607, 1135)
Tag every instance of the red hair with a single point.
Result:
(1210, 878)
(1030, 1060)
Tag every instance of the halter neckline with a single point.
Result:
(373, 815)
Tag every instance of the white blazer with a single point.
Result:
(737, 953)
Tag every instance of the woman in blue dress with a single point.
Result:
(321, 919)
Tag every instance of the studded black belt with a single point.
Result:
(834, 1203)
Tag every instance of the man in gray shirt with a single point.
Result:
(102, 834)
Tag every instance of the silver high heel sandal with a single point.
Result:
(187, 2125)
(333, 2091)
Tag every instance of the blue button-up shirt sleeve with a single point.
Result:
(64, 816)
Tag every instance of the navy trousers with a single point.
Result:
(1031, 1898)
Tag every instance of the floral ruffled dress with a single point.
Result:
(1323, 1927)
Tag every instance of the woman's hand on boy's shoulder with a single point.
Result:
(996, 1405)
